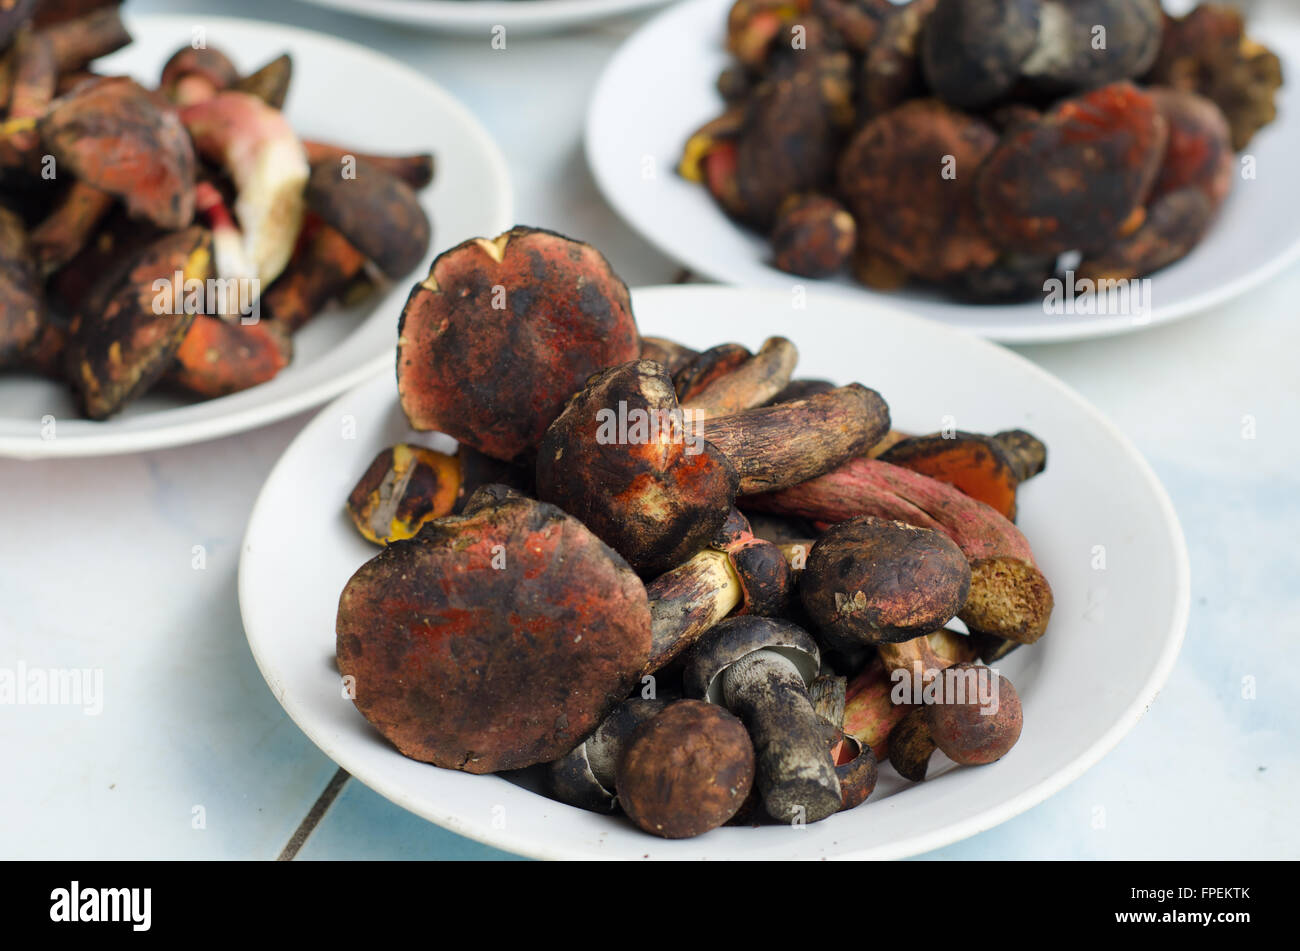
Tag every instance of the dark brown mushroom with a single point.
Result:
(22, 299)
(870, 580)
(976, 719)
(909, 178)
(669, 354)
(416, 170)
(890, 73)
(1087, 43)
(623, 458)
(760, 668)
(587, 776)
(813, 236)
(115, 355)
(748, 383)
(973, 50)
(495, 639)
(1074, 179)
(196, 73)
(378, 213)
(686, 771)
(502, 332)
(323, 267)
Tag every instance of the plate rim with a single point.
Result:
(944, 834)
(461, 17)
(189, 432)
(1065, 331)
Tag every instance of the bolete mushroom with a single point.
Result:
(1087, 43)
(22, 299)
(495, 639)
(502, 332)
(656, 487)
(686, 771)
(1074, 179)
(813, 236)
(760, 668)
(115, 135)
(376, 211)
(735, 573)
(875, 581)
(973, 50)
(587, 776)
(976, 719)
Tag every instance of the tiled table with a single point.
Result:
(192, 757)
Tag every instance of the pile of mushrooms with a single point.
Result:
(908, 143)
(685, 585)
(110, 191)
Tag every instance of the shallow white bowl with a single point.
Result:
(1112, 640)
(644, 110)
(341, 93)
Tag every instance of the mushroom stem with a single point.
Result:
(256, 145)
(774, 447)
(687, 601)
(65, 231)
(416, 170)
(796, 777)
(753, 383)
(76, 42)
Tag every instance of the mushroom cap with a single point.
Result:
(206, 61)
(496, 376)
(587, 776)
(686, 771)
(618, 459)
(1072, 52)
(856, 769)
(972, 50)
(493, 640)
(377, 212)
(1072, 180)
(813, 236)
(120, 352)
(963, 728)
(892, 177)
(737, 638)
(875, 581)
(121, 138)
(1199, 153)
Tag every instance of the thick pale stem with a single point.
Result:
(687, 601)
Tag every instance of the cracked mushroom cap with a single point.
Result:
(502, 332)
(493, 640)
(619, 459)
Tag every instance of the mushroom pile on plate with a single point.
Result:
(178, 235)
(981, 147)
(684, 583)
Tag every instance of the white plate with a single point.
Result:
(480, 16)
(1112, 640)
(341, 93)
(642, 113)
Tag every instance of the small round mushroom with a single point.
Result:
(686, 771)
(502, 332)
(973, 50)
(587, 776)
(492, 640)
(976, 719)
(874, 581)
(814, 236)
(197, 73)
(760, 668)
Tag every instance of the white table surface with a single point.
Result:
(191, 756)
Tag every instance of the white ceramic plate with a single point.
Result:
(341, 93)
(642, 113)
(1112, 640)
(480, 16)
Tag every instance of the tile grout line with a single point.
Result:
(314, 816)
